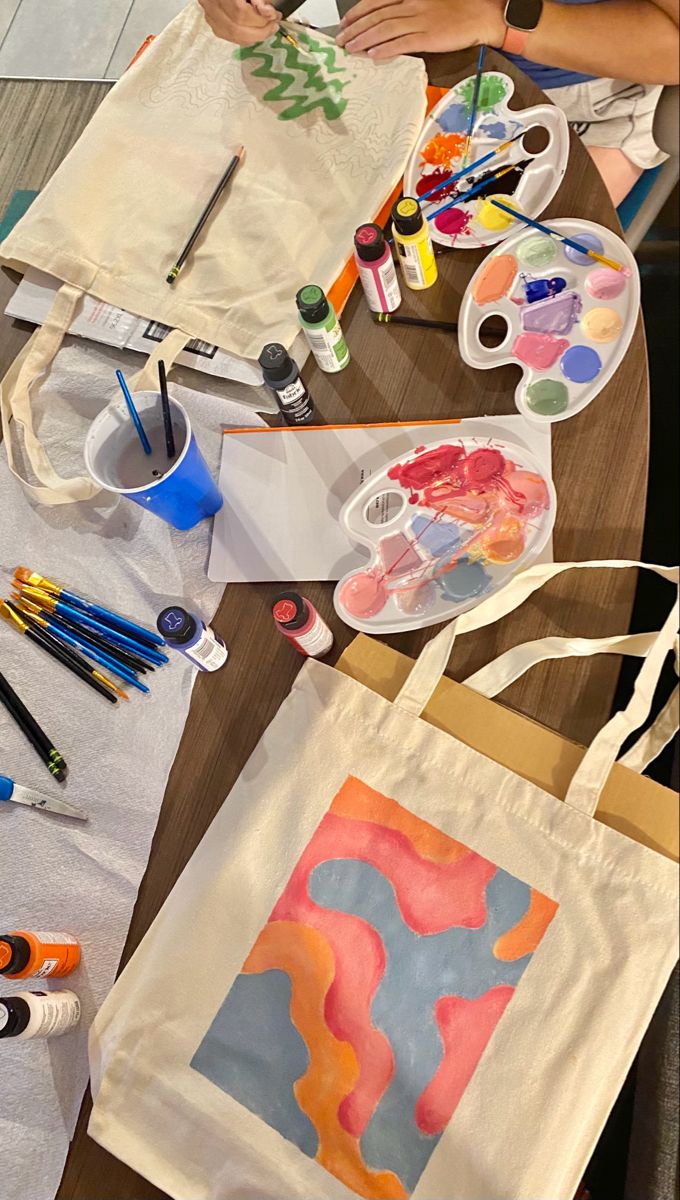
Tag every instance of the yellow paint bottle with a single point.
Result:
(414, 245)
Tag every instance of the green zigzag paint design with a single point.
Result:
(314, 77)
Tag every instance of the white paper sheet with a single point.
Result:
(59, 874)
(284, 489)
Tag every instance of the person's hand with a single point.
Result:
(241, 22)
(385, 28)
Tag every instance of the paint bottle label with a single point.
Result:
(381, 286)
(296, 403)
(52, 1014)
(328, 347)
(411, 260)
(209, 653)
(317, 641)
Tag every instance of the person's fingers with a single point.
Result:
(363, 9)
(382, 31)
(410, 43)
(264, 9)
(242, 34)
(370, 20)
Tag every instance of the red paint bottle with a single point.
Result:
(297, 619)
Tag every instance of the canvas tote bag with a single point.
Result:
(327, 136)
(392, 967)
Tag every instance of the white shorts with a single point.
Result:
(610, 112)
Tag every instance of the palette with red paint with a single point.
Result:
(538, 161)
(569, 319)
(467, 515)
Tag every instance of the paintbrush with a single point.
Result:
(125, 657)
(479, 162)
(167, 415)
(484, 183)
(104, 660)
(288, 37)
(205, 215)
(92, 678)
(86, 623)
(23, 575)
(146, 445)
(512, 212)
(475, 103)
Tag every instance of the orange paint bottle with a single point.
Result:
(25, 955)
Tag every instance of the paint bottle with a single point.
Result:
(25, 955)
(38, 1014)
(414, 245)
(186, 632)
(282, 375)
(376, 269)
(322, 328)
(297, 619)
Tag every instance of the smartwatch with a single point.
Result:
(521, 18)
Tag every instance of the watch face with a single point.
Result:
(523, 14)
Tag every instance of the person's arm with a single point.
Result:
(622, 39)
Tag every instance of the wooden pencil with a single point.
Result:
(238, 157)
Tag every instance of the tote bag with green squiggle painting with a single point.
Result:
(327, 136)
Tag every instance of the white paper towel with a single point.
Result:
(63, 875)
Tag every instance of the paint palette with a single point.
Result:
(569, 319)
(439, 154)
(446, 526)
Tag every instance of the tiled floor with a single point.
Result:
(77, 39)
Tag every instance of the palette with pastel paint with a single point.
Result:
(572, 336)
(445, 527)
(439, 154)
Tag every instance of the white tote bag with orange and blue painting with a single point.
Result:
(393, 967)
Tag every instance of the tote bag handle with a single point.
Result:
(510, 666)
(590, 778)
(31, 363)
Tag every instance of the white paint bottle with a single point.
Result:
(27, 1015)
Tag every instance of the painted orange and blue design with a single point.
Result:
(368, 999)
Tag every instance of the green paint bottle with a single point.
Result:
(322, 328)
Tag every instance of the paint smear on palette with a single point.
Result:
(364, 594)
(427, 182)
(444, 149)
(491, 91)
(495, 129)
(540, 350)
(454, 119)
(495, 279)
(453, 222)
(370, 995)
(547, 397)
(580, 364)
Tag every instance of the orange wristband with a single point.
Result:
(515, 40)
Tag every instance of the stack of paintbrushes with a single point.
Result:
(74, 630)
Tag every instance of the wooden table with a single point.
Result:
(600, 466)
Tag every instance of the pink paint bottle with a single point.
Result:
(297, 619)
(376, 269)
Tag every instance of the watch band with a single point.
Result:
(515, 40)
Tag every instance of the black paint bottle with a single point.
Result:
(282, 375)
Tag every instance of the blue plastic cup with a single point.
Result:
(179, 490)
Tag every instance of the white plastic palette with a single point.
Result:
(570, 344)
(446, 525)
(439, 155)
